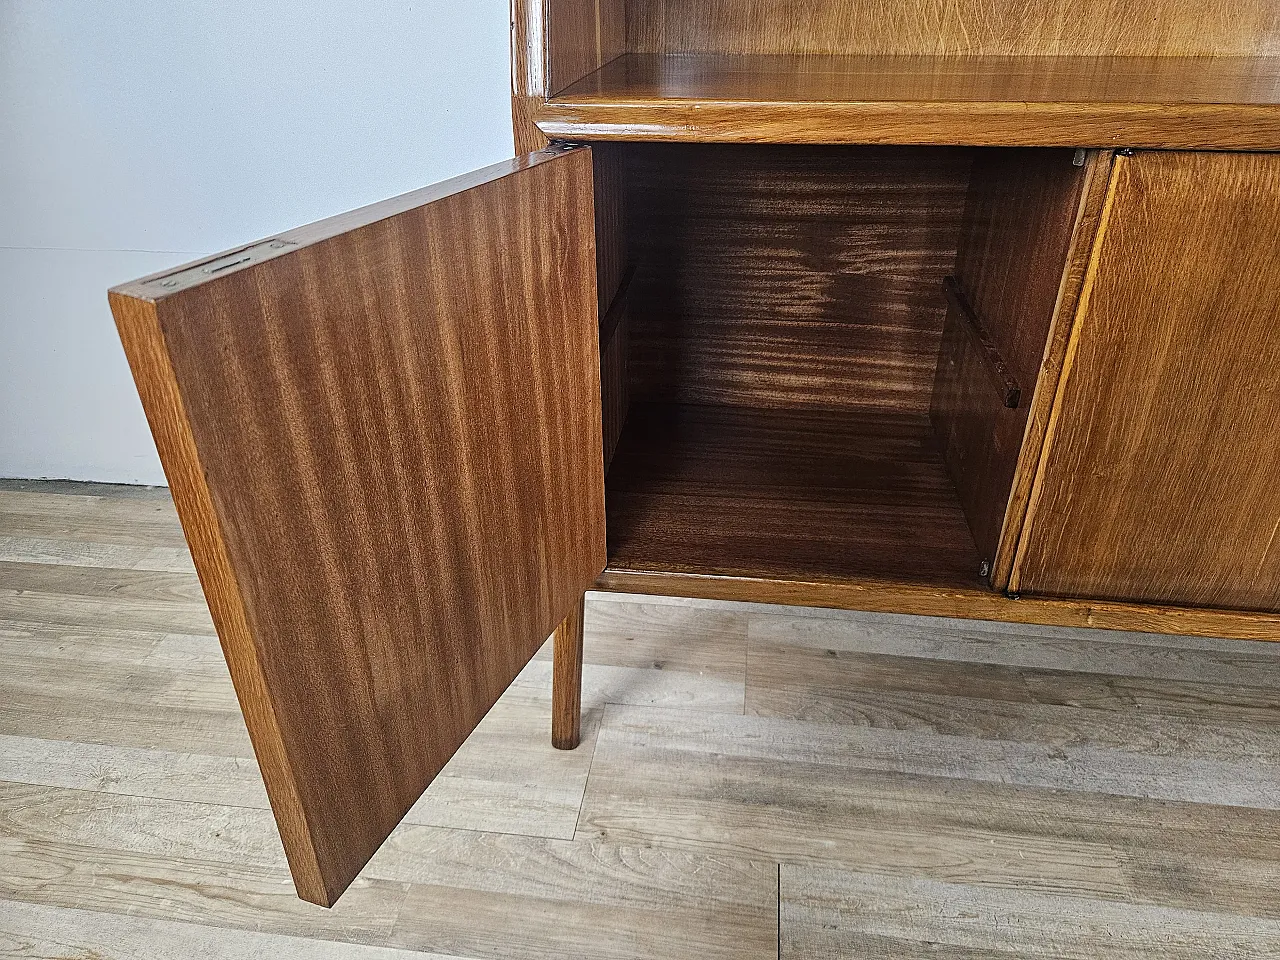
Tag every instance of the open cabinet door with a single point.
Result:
(382, 433)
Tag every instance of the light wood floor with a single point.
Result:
(752, 780)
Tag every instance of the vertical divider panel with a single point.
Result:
(1029, 222)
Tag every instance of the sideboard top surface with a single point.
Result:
(1086, 73)
(1159, 102)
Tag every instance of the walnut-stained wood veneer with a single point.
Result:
(709, 354)
(788, 495)
(790, 277)
(383, 439)
(993, 100)
(1161, 480)
(1054, 28)
(1029, 224)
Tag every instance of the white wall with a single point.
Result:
(136, 135)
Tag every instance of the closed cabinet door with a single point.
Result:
(1160, 478)
(382, 433)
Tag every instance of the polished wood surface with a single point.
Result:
(613, 259)
(1003, 383)
(995, 100)
(1092, 199)
(555, 43)
(614, 271)
(581, 36)
(528, 73)
(615, 385)
(784, 277)
(1021, 213)
(978, 433)
(1159, 478)
(974, 602)
(996, 789)
(786, 494)
(1058, 28)
(382, 432)
(566, 681)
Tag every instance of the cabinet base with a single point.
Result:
(882, 596)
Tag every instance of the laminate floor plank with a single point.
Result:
(132, 771)
(147, 586)
(751, 779)
(561, 898)
(637, 632)
(1235, 662)
(107, 555)
(91, 518)
(942, 697)
(832, 914)
(122, 613)
(33, 930)
(1097, 691)
(996, 815)
(1084, 768)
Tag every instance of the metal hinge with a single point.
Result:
(191, 276)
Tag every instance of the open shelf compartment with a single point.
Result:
(786, 494)
(791, 391)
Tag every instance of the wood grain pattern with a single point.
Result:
(1013, 255)
(994, 682)
(1093, 193)
(553, 44)
(787, 495)
(1218, 28)
(613, 261)
(528, 73)
(614, 271)
(582, 36)
(978, 602)
(962, 780)
(566, 682)
(1158, 480)
(782, 277)
(615, 376)
(847, 913)
(1019, 218)
(352, 426)
(1018, 100)
(1002, 380)
(980, 436)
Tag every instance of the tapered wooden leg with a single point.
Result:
(566, 681)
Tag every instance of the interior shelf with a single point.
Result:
(1169, 102)
(786, 495)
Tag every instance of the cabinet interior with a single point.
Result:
(786, 392)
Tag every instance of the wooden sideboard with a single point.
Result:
(906, 306)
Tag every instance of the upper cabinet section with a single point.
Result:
(1155, 73)
(1056, 28)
